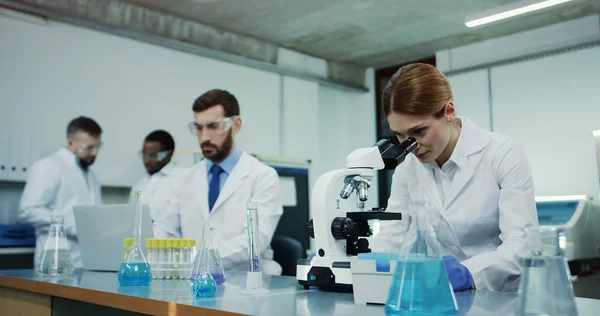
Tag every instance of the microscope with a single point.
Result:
(338, 238)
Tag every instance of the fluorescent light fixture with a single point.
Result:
(596, 133)
(509, 10)
(560, 198)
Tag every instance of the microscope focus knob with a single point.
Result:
(340, 227)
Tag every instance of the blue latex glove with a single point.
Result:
(312, 256)
(460, 277)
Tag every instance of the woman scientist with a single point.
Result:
(478, 183)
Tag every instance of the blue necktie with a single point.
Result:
(214, 186)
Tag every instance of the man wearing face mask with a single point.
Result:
(62, 180)
(156, 154)
(218, 188)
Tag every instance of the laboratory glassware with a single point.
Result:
(545, 287)
(135, 270)
(420, 284)
(254, 274)
(55, 259)
(203, 283)
(214, 260)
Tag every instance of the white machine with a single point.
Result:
(579, 219)
(101, 230)
(338, 239)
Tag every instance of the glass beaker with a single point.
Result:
(420, 285)
(545, 287)
(56, 258)
(135, 270)
(203, 283)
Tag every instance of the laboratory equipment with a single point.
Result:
(127, 247)
(176, 258)
(55, 259)
(135, 270)
(338, 238)
(254, 274)
(168, 268)
(545, 287)
(579, 219)
(420, 284)
(215, 262)
(203, 283)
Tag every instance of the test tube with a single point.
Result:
(155, 257)
(182, 258)
(169, 258)
(162, 254)
(253, 237)
(175, 259)
(149, 255)
(128, 247)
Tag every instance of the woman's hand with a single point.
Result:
(460, 277)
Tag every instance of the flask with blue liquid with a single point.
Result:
(420, 284)
(135, 270)
(203, 283)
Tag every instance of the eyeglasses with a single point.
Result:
(159, 156)
(88, 148)
(217, 127)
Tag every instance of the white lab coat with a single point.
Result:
(489, 205)
(155, 191)
(250, 180)
(55, 184)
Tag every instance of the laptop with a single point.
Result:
(101, 230)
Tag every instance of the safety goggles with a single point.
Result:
(213, 128)
(88, 148)
(159, 156)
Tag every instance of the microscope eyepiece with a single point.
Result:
(394, 153)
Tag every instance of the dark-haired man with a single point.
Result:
(156, 154)
(62, 180)
(218, 188)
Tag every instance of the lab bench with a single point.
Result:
(22, 292)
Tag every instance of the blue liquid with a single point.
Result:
(420, 287)
(204, 286)
(219, 278)
(135, 273)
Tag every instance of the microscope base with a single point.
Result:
(336, 276)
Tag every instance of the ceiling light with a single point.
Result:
(596, 133)
(559, 198)
(509, 10)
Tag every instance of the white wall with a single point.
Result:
(346, 122)
(52, 72)
(549, 104)
(556, 36)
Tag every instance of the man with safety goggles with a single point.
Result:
(157, 151)
(218, 188)
(62, 180)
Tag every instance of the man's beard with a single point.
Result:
(218, 154)
(85, 163)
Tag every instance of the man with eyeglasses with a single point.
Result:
(156, 154)
(62, 180)
(218, 188)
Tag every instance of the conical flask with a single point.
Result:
(135, 270)
(203, 283)
(420, 284)
(214, 259)
(545, 287)
(55, 259)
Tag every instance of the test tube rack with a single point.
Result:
(169, 258)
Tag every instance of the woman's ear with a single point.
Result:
(450, 111)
